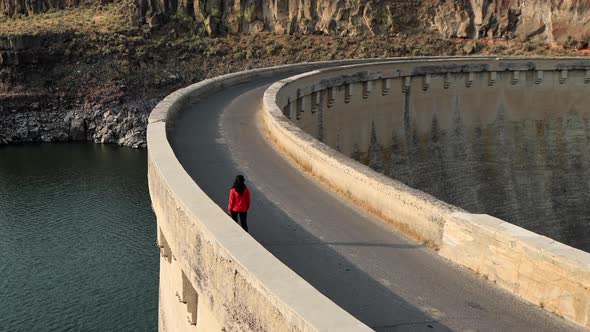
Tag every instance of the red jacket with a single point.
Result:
(237, 202)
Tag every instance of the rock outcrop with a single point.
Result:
(566, 22)
(563, 22)
(16, 50)
(560, 21)
(294, 16)
(125, 126)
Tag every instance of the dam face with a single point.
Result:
(511, 144)
(502, 135)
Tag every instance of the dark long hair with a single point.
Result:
(239, 184)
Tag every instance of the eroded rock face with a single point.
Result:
(125, 126)
(302, 16)
(563, 21)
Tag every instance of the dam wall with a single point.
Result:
(506, 137)
(213, 276)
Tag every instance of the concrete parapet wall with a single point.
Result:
(533, 267)
(536, 268)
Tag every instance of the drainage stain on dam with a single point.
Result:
(530, 173)
(519, 151)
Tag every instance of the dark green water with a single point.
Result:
(77, 239)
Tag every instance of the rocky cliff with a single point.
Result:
(562, 21)
(565, 22)
(293, 16)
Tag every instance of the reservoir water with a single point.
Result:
(77, 239)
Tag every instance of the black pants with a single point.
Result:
(243, 218)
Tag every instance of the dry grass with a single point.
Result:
(101, 19)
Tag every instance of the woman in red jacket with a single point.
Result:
(239, 201)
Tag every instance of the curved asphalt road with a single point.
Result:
(386, 280)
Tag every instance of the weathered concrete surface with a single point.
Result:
(354, 129)
(514, 150)
(543, 271)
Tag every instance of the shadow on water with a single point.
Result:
(315, 260)
(76, 239)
